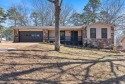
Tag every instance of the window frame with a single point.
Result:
(92, 35)
(63, 37)
(103, 34)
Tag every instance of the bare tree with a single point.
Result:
(50, 18)
(35, 18)
(23, 15)
(20, 14)
(111, 11)
(66, 12)
(120, 28)
(45, 11)
(12, 14)
(57, 4)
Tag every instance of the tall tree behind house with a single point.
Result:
(46, 12)
(76, 19)
(66, 12)
(19, 14)
(35, 18)
(91, 11)
(2, 20)
(111, 11)
(2, 16)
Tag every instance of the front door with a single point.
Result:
(74, 37)
(62, 37)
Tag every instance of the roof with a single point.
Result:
(100, 23)
(122, 38)
(48, 27)
(61, 27)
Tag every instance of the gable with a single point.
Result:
(122, 39)
(99, 25)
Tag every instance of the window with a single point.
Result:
(35, 35)
(93, 33)
(104, 32)
(62, 35)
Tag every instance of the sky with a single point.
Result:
(77, 4)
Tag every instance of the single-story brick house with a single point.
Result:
(97, 34)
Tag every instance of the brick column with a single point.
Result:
(16, 35)
(84, 33)
(45, 35)
(84, 36)
(112, 34)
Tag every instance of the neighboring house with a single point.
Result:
(122, 43)
(97, 35)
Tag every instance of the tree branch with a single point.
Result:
(52, 1)
(61, 3)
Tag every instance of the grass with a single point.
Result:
(39, 63)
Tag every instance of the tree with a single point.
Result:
(76, 19)
(8, 33)
(57, 4)
(66, 12)
(23, 14)
(2, 20)
(45, 11)
(2, 16)
(1, 32)
(91, 10)
(13, 15)
(19, 14)
(111, 11)
(35, 18)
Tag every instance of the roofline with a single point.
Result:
(46, 27)
(49, 27)
(122, 38)
(101, 23)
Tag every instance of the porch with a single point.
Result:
(67, 37)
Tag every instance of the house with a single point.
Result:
(122, 43)
(97, 34)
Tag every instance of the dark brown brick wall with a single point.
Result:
(45, 35)
(16, 35)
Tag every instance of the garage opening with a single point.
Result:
(31, 36)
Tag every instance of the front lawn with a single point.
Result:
(39, 63)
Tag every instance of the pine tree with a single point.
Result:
(2, 16)
(91, 10)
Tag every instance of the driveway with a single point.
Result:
(9, 45)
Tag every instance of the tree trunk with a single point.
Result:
(57, 30)
(15, 23)
(36, 22)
